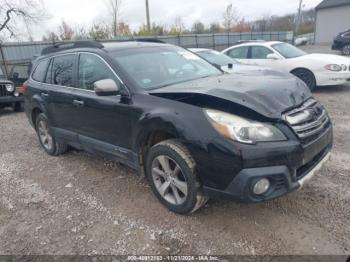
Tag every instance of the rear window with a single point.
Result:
(40, 71)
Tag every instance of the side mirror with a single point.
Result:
(272, 57)
(106, 87)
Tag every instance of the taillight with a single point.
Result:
(22, 89)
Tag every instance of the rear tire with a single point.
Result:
(346, 50)
(171, 173)
(307, 77)
(47, 139)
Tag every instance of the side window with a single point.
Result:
(40, 71)
(92, 69)
(62, 70)
(239, 52)
(260, 52)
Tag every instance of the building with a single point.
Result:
(332, 17)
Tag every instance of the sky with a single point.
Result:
(85, 12)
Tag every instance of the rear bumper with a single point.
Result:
(11, 99)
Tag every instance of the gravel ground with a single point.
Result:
(81, 204)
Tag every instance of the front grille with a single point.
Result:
(309, 121)
(3, 91)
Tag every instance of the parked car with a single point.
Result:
(224, 62)
(313, 69)
(216, 58)
(342, 43)
(195, 132)
(9, 97)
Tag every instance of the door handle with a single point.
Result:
(44, 94)
(78, 103)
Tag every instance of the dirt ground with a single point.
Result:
(81, 204)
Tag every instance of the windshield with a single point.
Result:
(215, 57)
(156, 67)
(288, 51)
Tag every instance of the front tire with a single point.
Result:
(307, 77)
(346, 50)
(47, 139)
(171, 172)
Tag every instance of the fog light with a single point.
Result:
(262, 186)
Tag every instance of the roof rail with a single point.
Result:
(57, 47)
(149, 40)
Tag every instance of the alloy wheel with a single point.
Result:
(169, 180)
(44, 135)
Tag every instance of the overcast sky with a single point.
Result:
(85, 12)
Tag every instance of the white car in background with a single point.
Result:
(222, 61)
(313, 69)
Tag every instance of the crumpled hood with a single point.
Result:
(267, 92)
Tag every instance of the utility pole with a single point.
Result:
(297, 24)
(148, 18)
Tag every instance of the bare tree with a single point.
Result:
(51, 37)
(230, 17)
(178, 27)
(115, 9)
(19, 13)
(66, 32)
(198, 28)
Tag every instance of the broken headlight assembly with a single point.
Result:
(243, 130)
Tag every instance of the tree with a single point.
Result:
(16, 14)
(178, 26)
(215, 28)
(66, 32)
(230, 18)
(51, 37)
(124, 28)
(115, 8)
(198, 28)
(242, 26)
(99, 32)
(155, 30)
(80, 33)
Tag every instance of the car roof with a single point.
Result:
(196, 50)
(260, 43)
(116, 46)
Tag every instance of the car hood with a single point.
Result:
(267, 92)
(328, 59)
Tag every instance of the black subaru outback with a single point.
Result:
(9, 97)
(194, 131)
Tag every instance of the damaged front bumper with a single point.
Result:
(286, 174)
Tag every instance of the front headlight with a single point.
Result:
(10, 88)
(333, 67)
(243, 130)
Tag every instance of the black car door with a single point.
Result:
(60, 81)
(104, 124)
